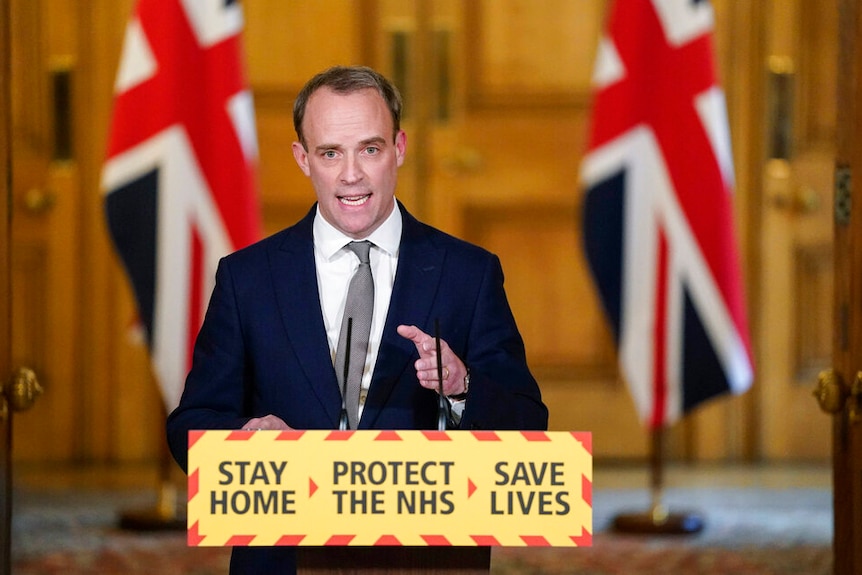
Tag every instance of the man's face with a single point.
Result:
(352, 159)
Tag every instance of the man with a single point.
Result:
(264, 358)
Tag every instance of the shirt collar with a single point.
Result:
(329, 240)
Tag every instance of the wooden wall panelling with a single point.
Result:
(817, 50)
(286, 43)
(553, 300)
(123, 413)
(527, 113)
(106, 380)
(528, 53)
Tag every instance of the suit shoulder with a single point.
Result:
(457, 246)
(288, 238)
(252, 252)
(293, 237)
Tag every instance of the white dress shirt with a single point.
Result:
(335, 266)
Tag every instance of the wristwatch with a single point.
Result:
(463, 395)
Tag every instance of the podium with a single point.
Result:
(379, 502)
(393, 560)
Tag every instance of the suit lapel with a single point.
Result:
(420, 267)
(295, 279)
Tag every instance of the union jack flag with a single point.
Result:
(180, 175)
(657, 212)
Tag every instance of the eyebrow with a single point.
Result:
(377, 140)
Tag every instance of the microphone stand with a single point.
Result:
(443, 411)
(343, 420)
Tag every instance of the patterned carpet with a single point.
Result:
(748, 531)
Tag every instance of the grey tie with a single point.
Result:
(359, 307)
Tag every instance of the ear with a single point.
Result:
(301, 157)
(400, 147)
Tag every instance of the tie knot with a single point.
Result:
(361, 249)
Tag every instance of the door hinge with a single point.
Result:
(843, 197)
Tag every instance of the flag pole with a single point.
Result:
(165, 515)
(658, 520)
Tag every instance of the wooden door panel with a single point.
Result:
(796, 278)
(531, 54)
(287, 42)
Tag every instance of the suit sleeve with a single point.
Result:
(503, 393)
(213, 397)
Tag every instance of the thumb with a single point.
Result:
(412, 333)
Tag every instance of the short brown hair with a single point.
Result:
(344, 80)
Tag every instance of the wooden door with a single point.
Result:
(847, 317)
(5, 295)
(45, 251)
(797, 273)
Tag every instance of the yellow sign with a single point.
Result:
(416, 488)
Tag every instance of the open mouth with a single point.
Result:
(354, 200)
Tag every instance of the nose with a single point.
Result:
(351, 172)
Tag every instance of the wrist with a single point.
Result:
(463, 395)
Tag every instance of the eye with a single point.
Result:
(329, 154)
(372, 150)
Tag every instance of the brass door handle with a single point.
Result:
(20, 392)
(833, 396)
(830, 392)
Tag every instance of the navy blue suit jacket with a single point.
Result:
(263, 348)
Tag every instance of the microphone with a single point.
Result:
(343, 421)
(443, 410)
